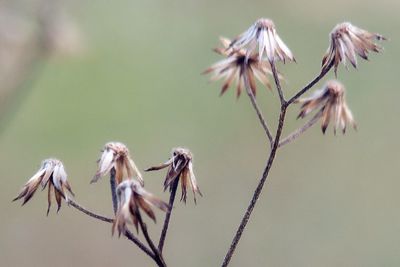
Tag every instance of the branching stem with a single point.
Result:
(310, 84)
(291, 137)
(158, 258)
(128, 234)
(257, 192)
(275, 145)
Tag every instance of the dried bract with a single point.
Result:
(263, 34)
(116, 156)
(347, 40)
(132, 197)
(332, 104)
(180, 166)
(51, 173)
(233, 68)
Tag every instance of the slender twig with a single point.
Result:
(310, 84)
(163, 235)
(158, 258)
(258, 190)
(284, 105)
(132, 238)
(277, 82)
(113, 187)
(255, 105)
(128, 234)
(264, 176)
(88, 212)
(291, 137)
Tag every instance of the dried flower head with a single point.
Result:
(51, 173)
(180, 167)
(233, 68)
(116, 156)
(347, 40)
(331, 100)
(132, 197)
(263, 34)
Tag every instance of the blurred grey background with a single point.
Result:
(77, 74)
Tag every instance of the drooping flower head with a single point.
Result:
(347, 41)
(233, 69)
(116, 156)
(332, 104)
(131, 198)
(263, 34)
(51, 174)
(180, 166)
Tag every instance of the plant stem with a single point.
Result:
(88, 212)
(128, 234)
(113, 186)
(310, 84)
(255, 105)
(264, 176)
(158, 258)
(284, 105)
(163, 235)
(291, 137)
(277, 83)
(258, 190)
(132, 238)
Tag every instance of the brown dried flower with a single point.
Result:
(51, 173)
(132, 197)
(331, 100)
(180, 166)
(263, 34)
(233, 68)
(347, 40)
(116, 156)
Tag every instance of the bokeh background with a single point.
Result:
(77, 74)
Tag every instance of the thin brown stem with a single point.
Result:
(163, 235)
(255, 106)
(275, 146)
(310, 84)
(113, 187)
(88, 212)
(258, 190)
(291, 137)
(277, 83)
(128, 234)
(132, 238)
(158, 258)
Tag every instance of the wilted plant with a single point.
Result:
(248, 58)
(129, 197)
(346, 41)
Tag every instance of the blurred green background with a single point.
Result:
(329, 201)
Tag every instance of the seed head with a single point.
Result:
(116, 156)
(263, 34)
(180, 166)
(233, 68)
(51, 173)
(347, 40)
(132, 197)
(332, 104)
